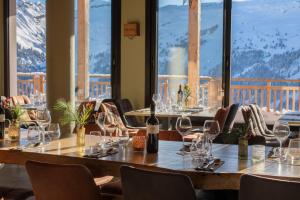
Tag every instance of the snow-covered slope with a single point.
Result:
(31, 38)
(265, 38)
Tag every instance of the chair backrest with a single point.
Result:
(258, 116)
(139, 184)
(260, 188)
(230, 117)
(61, 182)
(110, 106)
(126, 106)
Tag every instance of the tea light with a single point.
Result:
(138, 143)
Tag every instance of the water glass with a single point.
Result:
(281, 131)
(123, 137)
(293, 151)
(184, 127)
(53, 131)
(211, 130)
(33, 135)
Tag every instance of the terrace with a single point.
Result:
(272, 94)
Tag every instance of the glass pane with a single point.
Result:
(31, 47)
(266, 54)
(99, 47)
(173, 51)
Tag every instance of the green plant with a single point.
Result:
(17, 112)
(71, 114)
(235, 133)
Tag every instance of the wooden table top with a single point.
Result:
(226, 177)
(205, 113)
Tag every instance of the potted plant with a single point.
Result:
(79, 116)
(15, 115)
(186, 94)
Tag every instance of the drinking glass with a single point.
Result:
(184, 127)
(281, 131)
(211, 130)
(110, 123)
(156, 99)
(33, 135)
(199, 151)
(95, 141)
(53, 131)
(123, 137)
(43, 119)
(293, 151)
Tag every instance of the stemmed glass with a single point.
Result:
(43, 119)
(184, 127)
(110, 123)
(211, 130)
(156, 99)
(281, 131)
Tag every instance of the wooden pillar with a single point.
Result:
(60, 55)
(194, 47)
(83, 49)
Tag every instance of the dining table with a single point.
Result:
(167, 116)
(226, 176)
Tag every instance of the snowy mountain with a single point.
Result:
(31, 38)
(265, 38)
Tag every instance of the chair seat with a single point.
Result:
(15, 193)
(113, 187)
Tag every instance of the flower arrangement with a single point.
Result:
(13, 112)
(70, 114)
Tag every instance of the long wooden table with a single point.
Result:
(226, 177)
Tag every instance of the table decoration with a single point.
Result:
(16, 115)
(79, 115)
(138, 143)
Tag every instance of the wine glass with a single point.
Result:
(184, 127)
(43, 119)
(110, 123)
(211, 130)
(281, 130)
(156, 99)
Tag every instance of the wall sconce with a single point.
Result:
(132, 30)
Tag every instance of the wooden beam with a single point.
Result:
(194, 47)
(83, 49)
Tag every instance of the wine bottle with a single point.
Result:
(2, 120)
(179, 95)
(152, 131)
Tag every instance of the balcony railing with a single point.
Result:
(274, 95)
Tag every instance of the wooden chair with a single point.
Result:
(130, 121)
(148, 185)
(260, 188)
(61, 182)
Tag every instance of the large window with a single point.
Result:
(190, 50)
(257, 63)
(266, 54)
(31, 46)
(93, 25)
